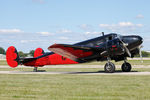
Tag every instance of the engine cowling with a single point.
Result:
(114, 47)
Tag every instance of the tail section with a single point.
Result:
(12, 57)
(38, 52)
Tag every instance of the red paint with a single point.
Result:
(53, 59)
(113, 46)
(69, 52)
(11, 56)
(38, 52)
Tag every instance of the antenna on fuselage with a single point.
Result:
(103, 33)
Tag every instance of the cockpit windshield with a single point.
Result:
(118, 36)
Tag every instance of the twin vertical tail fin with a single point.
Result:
(12, 57)
(38, 52)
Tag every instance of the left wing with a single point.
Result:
(73, 52)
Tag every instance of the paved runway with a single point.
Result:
(75, 73)
(78, 66)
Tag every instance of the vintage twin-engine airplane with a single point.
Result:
(104, 48)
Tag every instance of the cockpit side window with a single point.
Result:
(99, 42)
(111, 37)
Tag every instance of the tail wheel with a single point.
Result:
(109, 67)
(126, 67)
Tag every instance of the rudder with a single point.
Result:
(12, 57)
(38, 52)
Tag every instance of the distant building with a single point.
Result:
(2, 56)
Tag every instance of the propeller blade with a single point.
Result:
(125, 47)
(140, 53)
(127, 51)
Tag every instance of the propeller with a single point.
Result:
(140, 53)
(125, 47)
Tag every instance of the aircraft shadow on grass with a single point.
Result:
(117, 71)
(78, 72)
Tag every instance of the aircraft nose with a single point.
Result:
(139, 39)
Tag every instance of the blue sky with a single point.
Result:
(28, 24)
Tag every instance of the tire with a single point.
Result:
(126, 67)
(109, 67)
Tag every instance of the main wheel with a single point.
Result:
(109, 67)
(126, 67)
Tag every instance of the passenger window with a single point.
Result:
(90, 44)
(100, 42)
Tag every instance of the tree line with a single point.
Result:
(31, 53)
(20, 53)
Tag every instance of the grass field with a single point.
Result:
(72, 69)
(74, 87)
(3, 62)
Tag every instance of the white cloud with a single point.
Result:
(24, 41)
(121, 27)
(86, 27)
(139, 16)
(38, 1)
(64, 31)
(45, 33)
(27, 41)
(63, 38)
(94, 33)
(10, 31)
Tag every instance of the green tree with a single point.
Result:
(21, 54)
(144, 54)
(2, 50)
(31, 52)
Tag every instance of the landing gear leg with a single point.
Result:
(109, 67)
(35, 69)
(126, 67)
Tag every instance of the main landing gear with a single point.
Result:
(126, 67)
(36, 69)
(110, 67)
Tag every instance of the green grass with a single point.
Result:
(71, 69)
(74, 87)
(3, 62)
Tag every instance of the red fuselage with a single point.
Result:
(53, 59)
